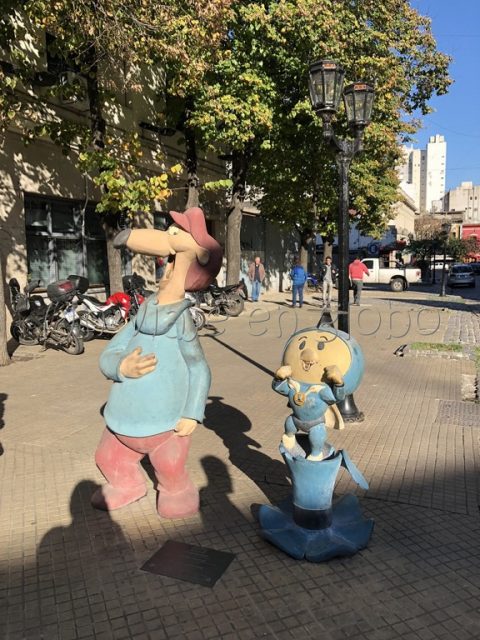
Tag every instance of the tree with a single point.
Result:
(233, 111)
(394, 49)
(253, 104)
(108, 44)
(96, 39)
(460, 248)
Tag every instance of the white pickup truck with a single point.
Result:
(397, 278)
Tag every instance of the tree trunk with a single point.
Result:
(4, 357)
(98, 128)
(191, 158)
(114, 257)
(327, 247)
(306, 239)
(234, 216)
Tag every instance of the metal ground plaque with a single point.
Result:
(461, 414)
(199, 565)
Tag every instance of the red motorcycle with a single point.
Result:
(99, 318)
(134, 288)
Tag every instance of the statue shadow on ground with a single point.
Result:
(216, 507)
(87, 548)
(232, 426)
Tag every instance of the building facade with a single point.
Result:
(423, 174)
(466, 199)
(49, 227)
(400, 227)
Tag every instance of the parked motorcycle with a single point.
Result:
(314, 282)
(198, 314)
(134, 286)
(36, 322)
(216, 300)
(99, 318)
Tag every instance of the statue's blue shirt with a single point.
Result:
(177, 388)
(308, 401)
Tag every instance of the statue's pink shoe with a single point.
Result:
(109, 497)
(181, 504)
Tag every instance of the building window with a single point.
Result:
(253, 234)
(161, 220)
(64, 238)
(57, 64)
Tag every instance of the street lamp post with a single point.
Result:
(446, 231)
(326, 79)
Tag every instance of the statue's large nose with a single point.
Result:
(308, 355)
(121, 238)
(150, 242)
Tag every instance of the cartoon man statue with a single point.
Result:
(320, 365)
(160, 376)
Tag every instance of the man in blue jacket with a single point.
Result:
(299, 277)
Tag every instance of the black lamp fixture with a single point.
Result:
(358, 99)
(326, 86)
(326, 80)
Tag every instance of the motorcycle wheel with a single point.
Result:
(86, 333)
(18, 333)
(69, 342)
(233, 305)
(198, 318)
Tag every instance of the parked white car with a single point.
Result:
(398, 279)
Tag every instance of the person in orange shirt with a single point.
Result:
(356, 271)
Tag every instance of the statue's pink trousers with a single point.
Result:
(118, 458)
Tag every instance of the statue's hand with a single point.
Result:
(333, 375)
(185, 426)
(284, 372)
(135, 366)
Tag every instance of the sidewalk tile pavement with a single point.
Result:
(70, 572)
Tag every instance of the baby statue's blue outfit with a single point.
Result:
(309, 403)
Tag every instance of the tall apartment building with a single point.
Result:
(466, 199)
(422, 173)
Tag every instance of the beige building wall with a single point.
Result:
(417, 160)
(403, 216)
(436, 160)
(40, 168)
(465, 198)
(422, 173)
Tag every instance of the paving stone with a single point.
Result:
(70, 571)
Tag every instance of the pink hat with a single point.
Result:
(193, 222)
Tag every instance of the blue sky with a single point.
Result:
(456, 27)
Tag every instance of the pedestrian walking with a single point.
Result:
(256, 274)
(356, 271)
(298, 277)
(329, 274)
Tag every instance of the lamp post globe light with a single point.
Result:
(326, 80)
